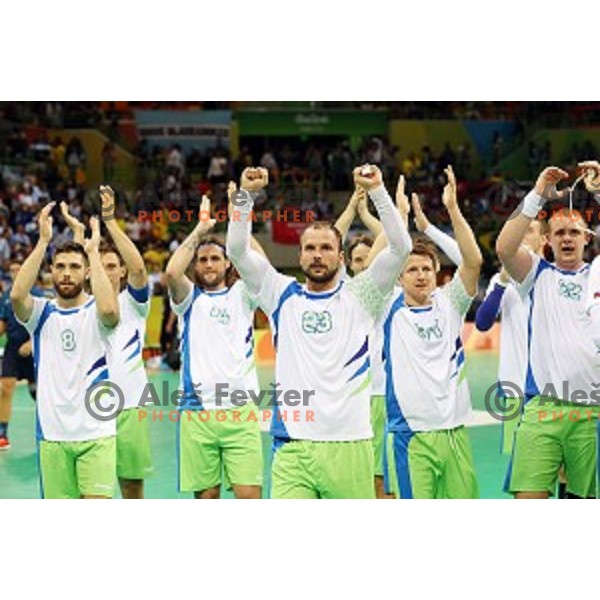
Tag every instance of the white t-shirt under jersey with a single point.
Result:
(127, 370)
(217, 346)
(562, 359)
(513, 339)
(70, 349)
(426, 387)
(322, 345)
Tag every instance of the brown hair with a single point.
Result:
(231, 275)
(324, 225)
(107, 248)
(367, 240)
(425, 247)
(69, 247)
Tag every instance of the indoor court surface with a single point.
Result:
(18, 465)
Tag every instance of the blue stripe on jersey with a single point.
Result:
(363, 349)
(217, 293)
(395, 418)
(322, 296)
(101, 362)
(248, 335)
(362, 369)
(293, 289)
(103, 376)
(140, 295)
(46, 312)
(531, 387)
(72, 311)
(401, 442)
(188, 388)
(249, 353)
(423, 309)
(136, 352)
(39, 434)
(134, 338)
(278, 429)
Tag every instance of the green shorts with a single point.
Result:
(309, 470)
(552, 433)
(432, 464)
(76, 469)
(212, 441)
(134, 459)
(509, 426)
(378, 413)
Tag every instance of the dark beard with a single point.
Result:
(328, 276)
(70, 293)
(203, 283)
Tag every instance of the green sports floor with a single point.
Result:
(18, 465)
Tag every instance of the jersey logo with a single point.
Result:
(67, 338)
(221, 315)
(428, 333)
(316, 322)
(569, 290)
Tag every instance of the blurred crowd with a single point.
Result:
(310, 174)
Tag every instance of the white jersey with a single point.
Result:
(376, 351)
(127, 370)
(217, 347)
(70, 351)
(426, 387)
(322, 345)
(512, 367)
(562, 361)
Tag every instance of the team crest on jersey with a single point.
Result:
(67, 338)
(220, 314)
(569, 290)
(316, 322)
(428, 333)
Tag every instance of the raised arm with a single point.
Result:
(403, 207)
(489, 309)
(472, 260)
(592, 177)
(231, 192)
(388, 264)
(20, 295)
(346, 219)
(178, 282)
(402, 200)
(252, 266)
(369, 221)
(107, 303)
(74, 224)
(137, 276)
(513, 255)
(444, 242)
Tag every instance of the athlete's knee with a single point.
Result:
(132, 489)
(209, 494)
(247, 492)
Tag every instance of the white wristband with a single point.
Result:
(532, 204)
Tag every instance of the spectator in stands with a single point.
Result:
(109, 160)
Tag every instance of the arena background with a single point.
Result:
(162, 156)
